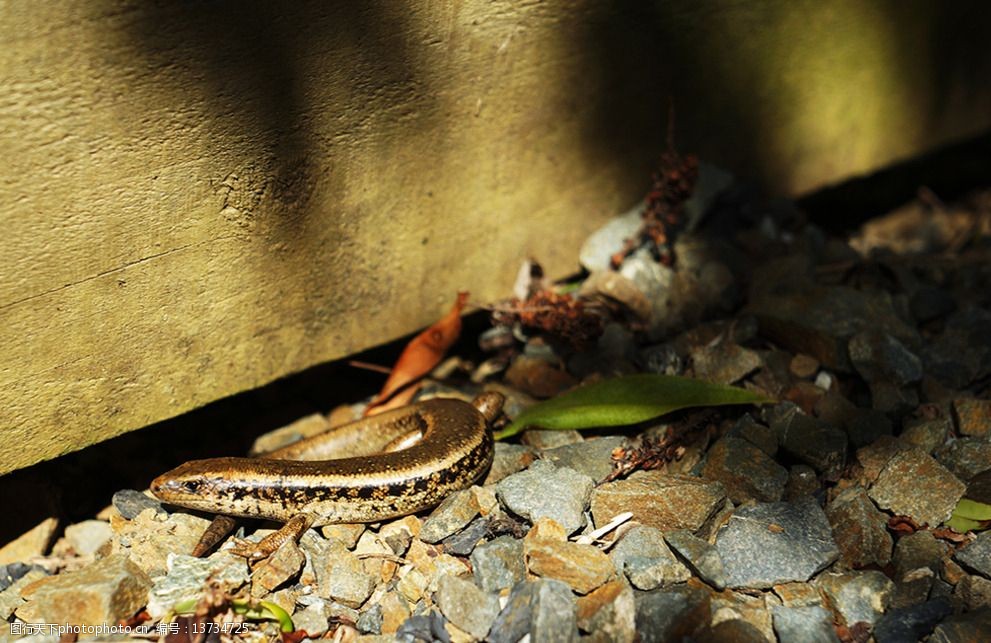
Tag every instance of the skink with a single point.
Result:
(455, 449)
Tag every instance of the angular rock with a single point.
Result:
(465, 605)
(646, 561)
(879, 356)
(926, 435)
(32, 543)
(858, 597)
(760, 435)
(798, 594)
(608, 614)
(451, 515)
(463, 542)
(597, 251)
(794, 540)
(544, 439)
(659, 500)
(424, 627)
(341, 577)
(733, 629)
(149, 538)
(312, 620)
(746, 471)
(701, 557)
(538, 377)
(108, 591)
(671, 614)
(812, 441)
(874, 457)
(962, 352)
(819, 320)
(509, 459)
(130, 502)
(87, 537)
(590, 457)
(582, 567)
(911, 623)
(370, 621)
(10, 597)
(615, 288)
(544, 609)
(860, 530)
(346, 533)
(977, 555)
(284, 564)
(186, 577)
(913, 484)
(812, 624)
(974, 591)
(305, 427)
(802, 482)
(498, 564)
(966, 457)
(546, 491)
(973, 416)
(725, 363)
(971, 627)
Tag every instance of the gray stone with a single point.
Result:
(911, 623)
(370, 621)
(701, 557)
(187, 575)
(794, 540)
(760, 435)
(973, 416)
(88, 536)
(925, 434)
(663, 359)
(671, 614)
(341, 576)
(977, 555)
(970, 627)
(543, 439)
(812, 441)
(423, 627)
(465, 605)
(802, 482)
(858, 597)
(130, 502)
(462, 543)
(544, 609)
(659, 500)
(746, 471)
(962, 352)
(590, 457)
(966, 457)
(860, 530)
(913, 484)
(546, 491)
(312, 620)
(452, 515)
(498, 564)
(879, 356)
(509, 459)
(724, 363)
(974, 591)
(597, 251)
(819, 320)
(812, 624)
(608, 614)
(108, 591)
(646, 561)
(893, 399)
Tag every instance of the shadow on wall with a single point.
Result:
(256, 64)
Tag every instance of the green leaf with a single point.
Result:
(962, 525)
(972, 509)
(626, 400)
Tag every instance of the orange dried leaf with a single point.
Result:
(421, 355)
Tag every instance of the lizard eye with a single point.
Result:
(191, 486)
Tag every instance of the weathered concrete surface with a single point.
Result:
(200, 198)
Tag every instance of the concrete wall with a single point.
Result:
(199, 198)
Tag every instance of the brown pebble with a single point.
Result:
(803, 366)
